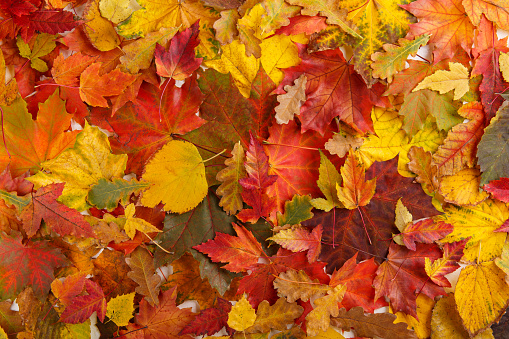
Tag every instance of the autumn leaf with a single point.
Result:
(65, 291)
(100, 31)
(143, 273)
(43, 45)
(327, 179)
(230, 189)
(456, 78)
(498, 188)
(340, 145)
(83, 306)
(38, 261)
(62, 219)
(120, 309)
(325, 307)
(291, 101)
(133, 224)
(210, 320)
(179, 61)
(299, 239)
(462, 188)
(107, 194)
(437, 269)
(242, 315)
(275, 317)
(294, 285)
(29, 143)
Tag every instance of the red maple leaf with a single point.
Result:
(210, 320)
(27, 265)
(143, 127)
(368, 229)
(487, 52)
(179, 62)
(62, 219)
(358, 279)
(499, 189)
(333, 89)
(82, 306)
(402, 277)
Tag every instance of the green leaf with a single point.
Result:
(106, 194)
(11, 198)
(493, 149)
(296, 211)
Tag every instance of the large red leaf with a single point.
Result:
(333, 89)
(62, 219)
(358, 279)
(487, 64)
(143, 127)
(82, 306)
(402, 277)
(179, 61)
(166, 320)
(27, 265)
(294, 159)
(368, 229)
(210, 320)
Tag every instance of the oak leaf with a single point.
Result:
(107, 194)
(226, 26)
(421, 164)
(110, 272)
(179, 62)
(144, 274)
(370, 325)
(340, 145)
(325, 307)
(294, 285)
(291, 101)
(230, 189)
(297, 210)
(420, 325)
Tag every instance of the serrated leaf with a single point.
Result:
(356, 191)
(120, 309)
(43, 45)
(299, 239)
(456, 78)
(327, 179)
(242, 315)
(143, 273)
(230, 189)
(275, 317)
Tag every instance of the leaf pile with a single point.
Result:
(289, 165)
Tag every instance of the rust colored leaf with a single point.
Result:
(425, 231)
(144, 274)
(82, 307)
(356, 190)
(210, 320)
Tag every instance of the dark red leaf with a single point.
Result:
(82, 307)
(211, 320)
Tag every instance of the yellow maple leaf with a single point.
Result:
(177, 175)
(242, 315)
(133, 224)
(242, 68)
(81, 167)
(120, 309)
(456, 78)
(278, 52)
(356, 191)
(479, 223)
(481, 295)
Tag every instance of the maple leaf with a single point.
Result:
(165, 320)
(462, 188)
(358, 279)
(65, 291)
(29, 143)
(493, 12)
(370, 325)
(492, 147)
(327, 179)
(62, 219)
(299, 239)
(333, 89)
(239, 252)
(65, 71)
(38, 261)
(446, 22)
(82, 307)
(43, 45)
(179, 61)
(210, 320)
(366, 229)
(424, 231)
(498, 188)
(95, 87)
(303, 24)
(356, 191)
(437, 269)
(405, 81)
(403, 274)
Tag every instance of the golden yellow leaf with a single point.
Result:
(422, 327)
(403, 216)
(478, 223)
(278, 52)
(456, 78)
(356, 191)
(328, 177)
(462, 188)
(504, 65)
(388, 140)
(177, 175)
(9, 91)
(446, 322)
(99, 30)
(242, 68)
(156, 14)
(482, 296)
(133, 224)
(325, 307)
(3, 335)
(116, 10)
(242, 315)
(503, 261)
(120, 309)
(81, 167)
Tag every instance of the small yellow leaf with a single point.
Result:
(99, 30)
(444, 81)
(242, 68)
(504, 65)
(177, 175)
(116, 10)
(278, 52)
(132, 224)
(462, 188)
(403, 216)
(120, 309)
(422, 327)
(325, 307)
(481, 295)
(242, 315)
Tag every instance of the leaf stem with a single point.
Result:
(155, 243)
(214, 156)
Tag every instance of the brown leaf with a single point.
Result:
(290, 102)
(144, 274)
(110, 272)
